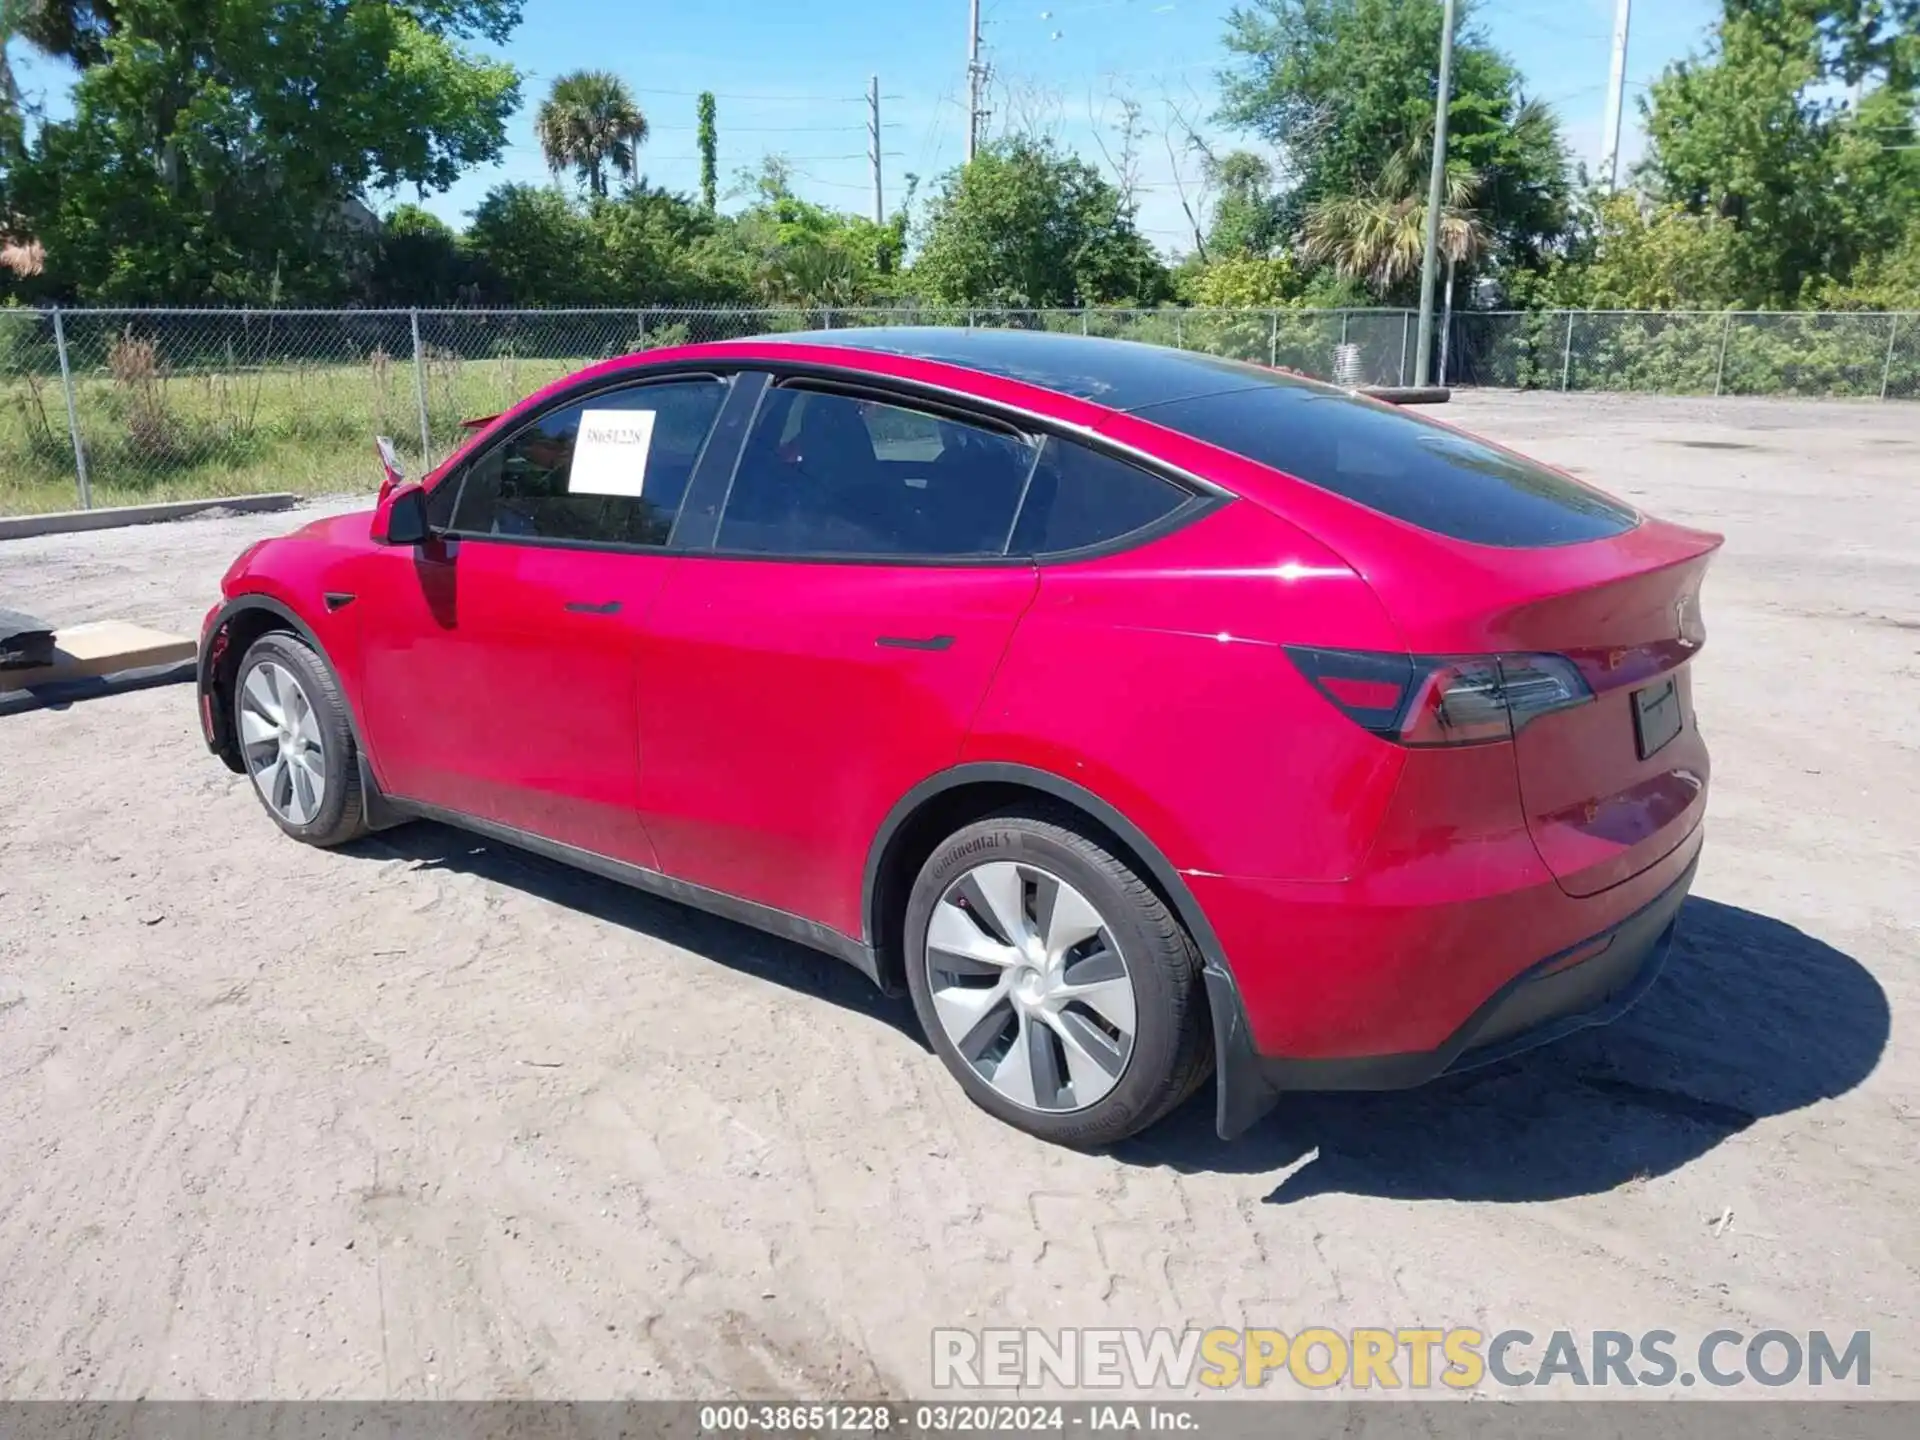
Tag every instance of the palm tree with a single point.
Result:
(588, 123)
(1380, 236)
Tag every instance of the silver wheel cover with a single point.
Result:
(1030, 986)
(280, 737)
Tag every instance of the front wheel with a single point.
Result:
(1054, 982)
(297, 744)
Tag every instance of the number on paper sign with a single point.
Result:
(610, 452)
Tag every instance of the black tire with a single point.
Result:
(1172, 1053)
(341, 816)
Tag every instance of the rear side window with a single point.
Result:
(1398, 464)
(1080, 497)
(611, 469)
(831, 474)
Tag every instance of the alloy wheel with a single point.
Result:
(1030, 986)
(280, 735)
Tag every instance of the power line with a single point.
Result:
(775, 99)
(780, 129)
(797, 159)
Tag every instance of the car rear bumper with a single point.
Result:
(1591, 981)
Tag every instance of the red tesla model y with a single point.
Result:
(1142, 715)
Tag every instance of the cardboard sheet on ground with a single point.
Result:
(610, 452)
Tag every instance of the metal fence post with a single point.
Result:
(1083, 321)
(1566, 358)
(1720, 370)
(420, 393)
(1273, 339)
(970, 319)
(1406, 333)
(1179, 332)
(73, 415)
(826, 317)
(1344, 317)
(640, 330)
(1886, 375)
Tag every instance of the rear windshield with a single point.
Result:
(1398, 464)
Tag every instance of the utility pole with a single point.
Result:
(1436, 197)
(976, 80)
(1616, 98)
(873, 148)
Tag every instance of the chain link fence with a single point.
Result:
(110, 407)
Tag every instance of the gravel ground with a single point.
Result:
(429, 1117)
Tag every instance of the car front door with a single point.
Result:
(829, 651)
(500, 674)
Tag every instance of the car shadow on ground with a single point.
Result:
(1751, 1018)
(431, 846)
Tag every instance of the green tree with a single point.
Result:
(1753, 132)
(589, 123)
(1246, 218)
(800, 253)
(1026, 225)
(531, 244)
(220, 153)
(1338, 86)
(651, 246)
(1631, 255)
(420, 260)
(708, 139)
(1379, 237)
(75, 30)
(1243, 282)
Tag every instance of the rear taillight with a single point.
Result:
(1428, 700)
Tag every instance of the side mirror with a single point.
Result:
(401, 518)
(391, 473)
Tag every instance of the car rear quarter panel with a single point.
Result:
(1155, 678)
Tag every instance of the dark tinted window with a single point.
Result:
(1398, 464)
(440, 503)
(1080, 497)
(612, 468)
(827, 474)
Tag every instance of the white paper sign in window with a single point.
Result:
(610, 452)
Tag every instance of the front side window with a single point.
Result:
(831, 474)
(610, 469)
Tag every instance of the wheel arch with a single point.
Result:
(942, 803)
(240, 622)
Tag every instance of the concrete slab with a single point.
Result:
(62, 522)
(104, 647)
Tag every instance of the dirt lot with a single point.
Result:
(433, 1118)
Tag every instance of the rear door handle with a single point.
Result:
(583, 607)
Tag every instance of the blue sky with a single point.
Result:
(791, 77)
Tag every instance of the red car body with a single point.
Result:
(780, 738)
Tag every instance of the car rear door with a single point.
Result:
(500, 661)
(829, 651)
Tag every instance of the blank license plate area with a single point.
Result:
(1656, 716)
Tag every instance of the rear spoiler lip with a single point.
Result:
(480, 423)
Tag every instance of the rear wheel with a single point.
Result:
(296, 742)
(1054, 982)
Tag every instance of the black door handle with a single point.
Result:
(582, 607)
(909, 642)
